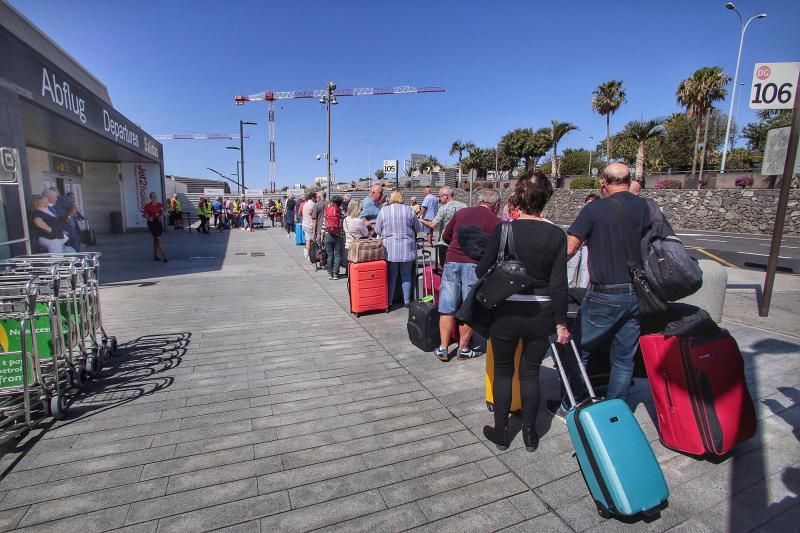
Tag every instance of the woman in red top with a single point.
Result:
(154, 213)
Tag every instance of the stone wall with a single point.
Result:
(730, 210)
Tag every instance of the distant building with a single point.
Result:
(199, 185)
(418, 159)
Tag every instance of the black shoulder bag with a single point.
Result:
(508, 276)
(649, 302)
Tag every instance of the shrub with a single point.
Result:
(744, 181)
(669, 184)
(584, 182)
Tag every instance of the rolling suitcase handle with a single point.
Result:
(426, 256)
(563, 374)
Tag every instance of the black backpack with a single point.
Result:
(672, 272)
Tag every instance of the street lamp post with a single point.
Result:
(242, 124)
(731, 6)
(328, 99)
(238, 186)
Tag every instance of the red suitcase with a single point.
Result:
(700, 393)
(367, 285)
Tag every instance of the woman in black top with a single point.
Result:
(532, 315)
(46, 229)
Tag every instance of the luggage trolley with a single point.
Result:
(24, 395)
(57, 299)
(91, 330)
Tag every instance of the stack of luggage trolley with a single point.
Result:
(52, 339)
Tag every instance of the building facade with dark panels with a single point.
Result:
(67, 134)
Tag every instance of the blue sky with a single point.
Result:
(174, 67)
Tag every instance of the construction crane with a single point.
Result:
(271, 96)
(197, 136)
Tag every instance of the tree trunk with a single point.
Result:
(703, 156)
(554, 162)
(696, 143)
(640, 161)
(608, 138)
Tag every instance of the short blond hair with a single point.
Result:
(354, 208)
(396, 197)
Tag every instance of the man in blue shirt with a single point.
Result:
(430, 206)
(371, 205)
(216, 210)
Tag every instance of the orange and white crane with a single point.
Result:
(271, 96)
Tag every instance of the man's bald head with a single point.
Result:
(617, 174)
(635, 188)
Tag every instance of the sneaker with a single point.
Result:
(555, 408)
(330, 276)
(335, 276)
(441, 354)
(467, 353)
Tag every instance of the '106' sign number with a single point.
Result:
(774, 85)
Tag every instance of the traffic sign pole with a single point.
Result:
(783, 200)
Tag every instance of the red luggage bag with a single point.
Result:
(367, 285)
(700, 393)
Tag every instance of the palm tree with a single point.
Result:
(459, 147)
(606, 99)
(642, 131)
(697, 94)
(557, 132)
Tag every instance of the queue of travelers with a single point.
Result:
(609, 317)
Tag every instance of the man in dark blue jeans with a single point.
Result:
(609, 316)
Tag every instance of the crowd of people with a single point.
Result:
(608, 321)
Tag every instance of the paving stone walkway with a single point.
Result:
(247, 398)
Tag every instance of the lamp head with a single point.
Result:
(331, 86)
(730, 5)
(761, 16)
(322, 100)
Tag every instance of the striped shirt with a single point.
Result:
(398, 227)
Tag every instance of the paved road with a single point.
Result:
(247, 398)
(741, 251)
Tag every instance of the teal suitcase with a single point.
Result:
(617, 462)
(299, 235)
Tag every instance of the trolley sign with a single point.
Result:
(774, 85)
(8, 165)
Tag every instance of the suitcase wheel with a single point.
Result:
(357, 314)
(602, 511)
(490, 407)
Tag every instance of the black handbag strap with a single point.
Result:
(505, 229)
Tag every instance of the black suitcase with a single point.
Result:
(423, 325)
(423, 315)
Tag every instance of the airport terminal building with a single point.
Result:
(68, 135)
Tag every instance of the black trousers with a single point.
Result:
(532, 323)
